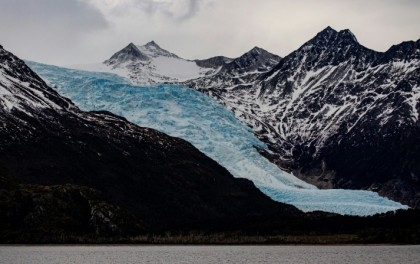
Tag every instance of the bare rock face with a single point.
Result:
(213, 62)
(128, 54)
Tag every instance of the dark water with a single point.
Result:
(209, 254)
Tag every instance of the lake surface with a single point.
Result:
(209, 254)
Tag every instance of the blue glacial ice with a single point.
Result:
(214, 130)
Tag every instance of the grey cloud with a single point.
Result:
(192, 9)
(179, 10)
(37, 29)
(64, 13)
(83, 31)
(186, 8)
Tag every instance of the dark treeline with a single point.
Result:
(33, 213)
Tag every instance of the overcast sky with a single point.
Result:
(66, 32)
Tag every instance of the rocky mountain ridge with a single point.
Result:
(337, 114)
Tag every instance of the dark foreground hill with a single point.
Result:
(162, 181)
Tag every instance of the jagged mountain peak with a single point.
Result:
(324, 35)
(256, 50)
(329, 37)
(255, 59)
(328, 47)
(152, 49)
(328, 31)
(143, 53)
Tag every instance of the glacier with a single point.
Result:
(210, 127)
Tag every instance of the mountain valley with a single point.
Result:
(148, 147)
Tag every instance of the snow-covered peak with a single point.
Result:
(133, 53)
(152, 49)
(148, 64)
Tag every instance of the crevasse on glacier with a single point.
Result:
(214, 130)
